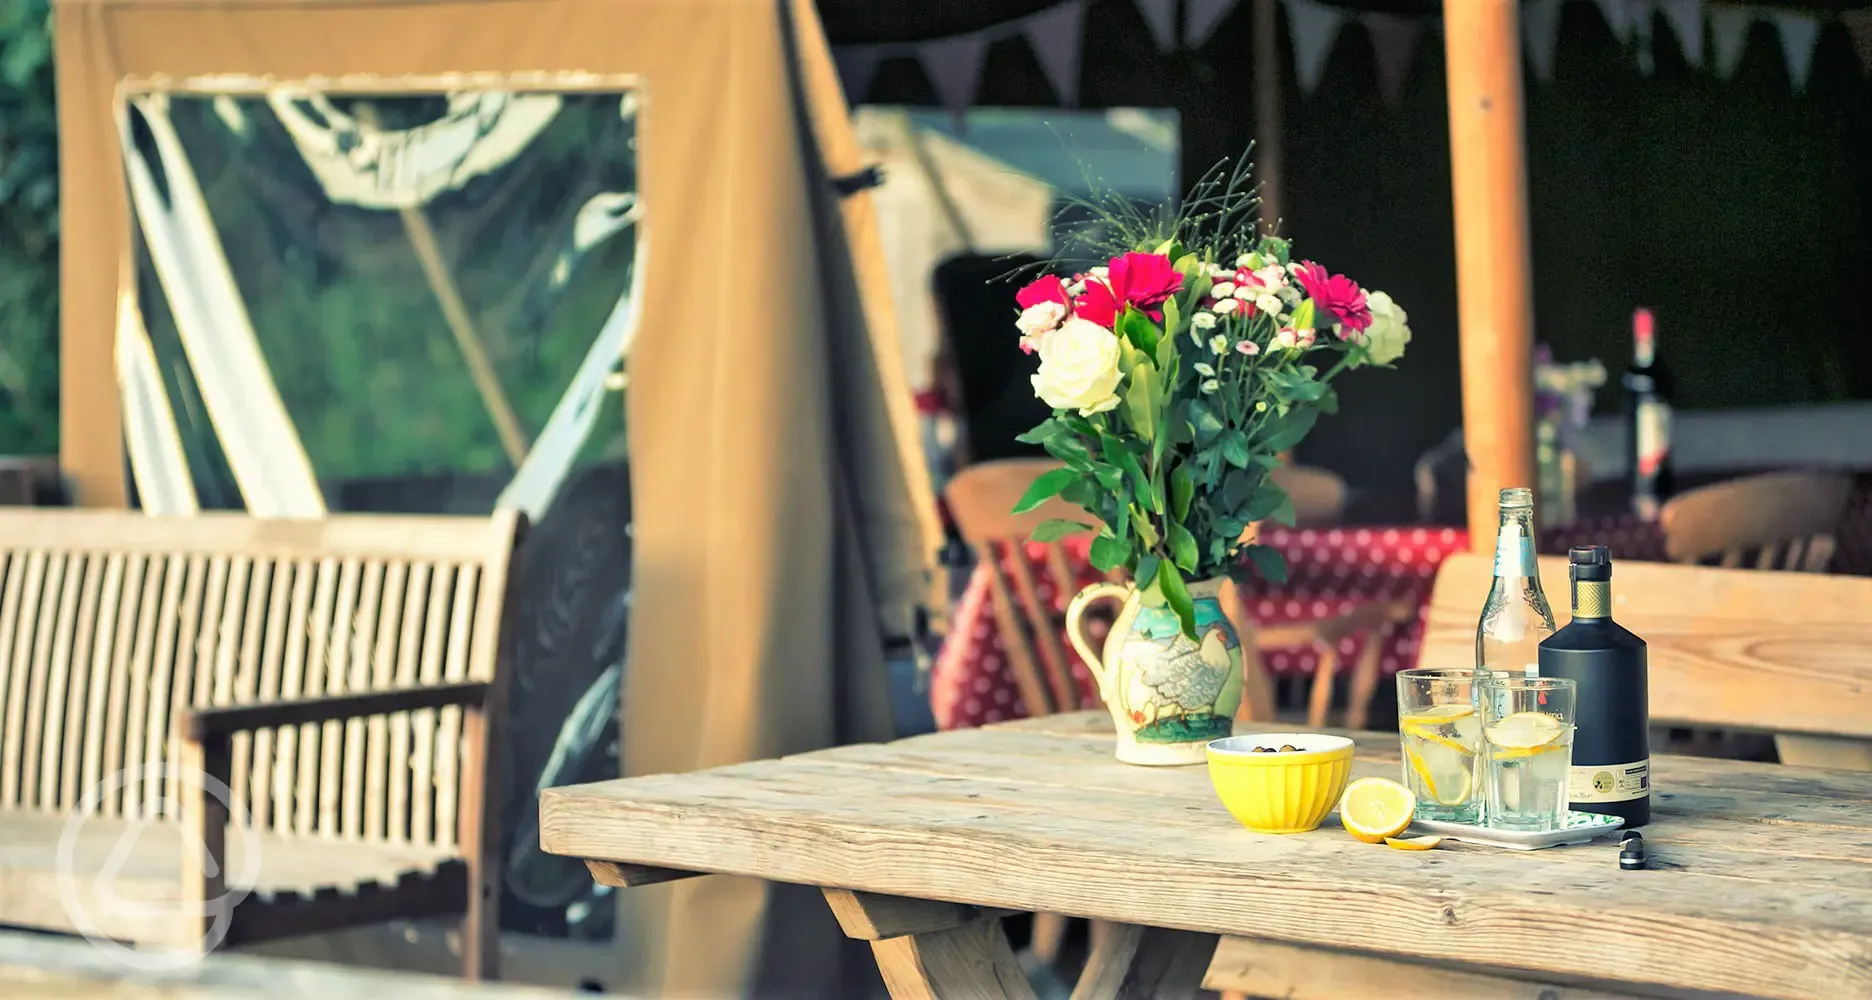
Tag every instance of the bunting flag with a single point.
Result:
(1540, 29)
(1799, 32)
(1055, 37)
(1859, 26)
(954, 68)
(1621, 16)
(1729, 31)
(857, 65)
(1394, 46)
(1201, 18)
(1160, 17)
(1685, 18)
(1315, 27)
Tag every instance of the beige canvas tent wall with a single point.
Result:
(783, 523)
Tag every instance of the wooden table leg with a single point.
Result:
(1129, 961)
(930, 950)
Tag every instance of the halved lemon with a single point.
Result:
(1524, 734)
(1376, 808)
(1426, 843)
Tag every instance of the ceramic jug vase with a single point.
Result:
(1169, 695)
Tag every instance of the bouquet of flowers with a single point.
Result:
(1178, 370)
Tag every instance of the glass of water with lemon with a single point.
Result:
(1441, 728)
(1527, 750)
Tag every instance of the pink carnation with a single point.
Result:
(1143, 280)
(1335, 296)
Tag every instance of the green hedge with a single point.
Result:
(29, 231)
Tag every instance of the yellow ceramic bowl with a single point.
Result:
(1280, 792)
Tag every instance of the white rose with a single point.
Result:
(1079, 368)
(1389, 330)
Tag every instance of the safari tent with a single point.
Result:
(448, 256)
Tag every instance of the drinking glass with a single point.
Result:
(1442, 736)
(1527, 750)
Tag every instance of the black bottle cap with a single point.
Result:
(1589, 562)
(1631, 855)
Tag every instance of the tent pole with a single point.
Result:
(1495, 301)
(1267, 94)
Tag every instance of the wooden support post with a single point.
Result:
(1495, 300)
(1267, 96)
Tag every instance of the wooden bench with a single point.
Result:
(1759, 650)
(339, 682)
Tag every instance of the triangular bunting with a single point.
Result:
(1540, 29)
(857, 65)
(1685, 18)
(1394, 45)
(954, 68)
(1315, 27)
(1056, 39)
(1201, 17)
(1620, 16)
(1729, 31)
(1160, 17)
(1859, 25)
(1798, 34)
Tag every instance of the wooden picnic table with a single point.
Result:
(1760, 877)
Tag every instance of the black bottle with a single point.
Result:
(1648, 420)
(1611, 739)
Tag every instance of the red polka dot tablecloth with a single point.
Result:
(1330, 572)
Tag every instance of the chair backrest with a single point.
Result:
(1778, 520)
(1729, 649)
(112, 622)
(1319, 496)
(980, 498)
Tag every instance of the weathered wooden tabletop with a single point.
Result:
(1760, 879)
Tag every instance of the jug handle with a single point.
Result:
(1075, 612)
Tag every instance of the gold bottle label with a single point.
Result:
(1592, 599)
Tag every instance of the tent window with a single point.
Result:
(410, 301)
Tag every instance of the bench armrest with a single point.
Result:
(209, 723)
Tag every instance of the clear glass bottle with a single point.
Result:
(1516, 616)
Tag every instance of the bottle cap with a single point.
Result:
(1589, 562)
(1644, 326)
(1631, 855)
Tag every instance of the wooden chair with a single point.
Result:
(1729, 649)
(302, 713)
(1778, 520)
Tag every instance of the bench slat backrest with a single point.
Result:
(1729, 649)
(112, 622)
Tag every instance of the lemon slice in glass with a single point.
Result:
(1376, 808)
(1524, 734)
(1445, 776)
(1427, 725)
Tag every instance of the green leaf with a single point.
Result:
(1283, 513)
(1183, 548)
(1268, 562)
(1045, 487)
(1177, 596)
(1142, 400)
(1283, 433)
(1121, 525)
(1204, 423)
(1108, 553)
(1235, 448)
(1140, 483)
(1182, 490)
(1147, 533)
(1268, 498)
(1237, 487)
(1137, 328)
(1146, 572)
(1083, 492)
(1054, 529)
(1275, 247)
(1042, 432)
(1109, 477)
(1304, 316)
(1173, 318)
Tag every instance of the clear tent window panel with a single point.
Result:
(413, 301)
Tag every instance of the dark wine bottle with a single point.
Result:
(1611, 740)
(1648, 419)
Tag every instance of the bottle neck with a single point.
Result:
(1592, 600)
(1514, 545)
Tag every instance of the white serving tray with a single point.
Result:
(1580, 827)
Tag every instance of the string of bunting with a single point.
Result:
(1702, 28)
